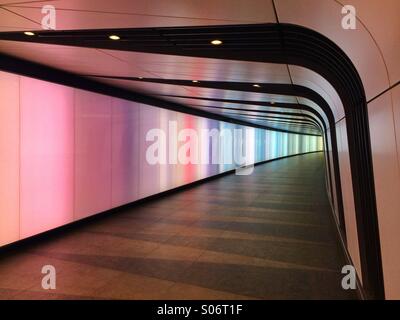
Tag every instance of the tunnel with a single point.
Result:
(208, 150)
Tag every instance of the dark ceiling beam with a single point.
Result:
(261, 115)
(283, 119)
(288, 106)
(277, 119)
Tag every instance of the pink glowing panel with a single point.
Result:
(125, 151)
(9, 158)
(92, 153)
(149, 177)
(47, 133)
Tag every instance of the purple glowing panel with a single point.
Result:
(92, 153)
(125, 151)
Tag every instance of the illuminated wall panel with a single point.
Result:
(285, 145)
(187, 139)
(226, 149)
(47, 152)
(267, 151)
(205, 151)
(125, 155)
(92, 153)
(166, 170)
(212, 168)
(149, 175)
(9, 158)
(67, 154)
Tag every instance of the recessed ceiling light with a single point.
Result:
(114, 37)
(140, 77)
(195, 81)
(216, 42)
(29, 33)
(256, 85)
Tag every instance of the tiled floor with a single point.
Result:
(264, 236)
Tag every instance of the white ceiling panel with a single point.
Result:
(308, 78)
(167, 89)
(317, 108)
(192, 68)
(13, 22)
(148, 88)
(325, 17)
(241, 95)
(77, 14)
(137, 64)
(74, 59)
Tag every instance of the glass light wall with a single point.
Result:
(66, 154)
